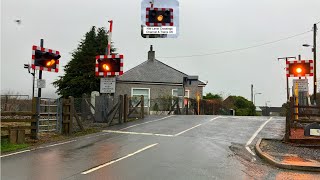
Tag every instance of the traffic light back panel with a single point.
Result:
(159, 18)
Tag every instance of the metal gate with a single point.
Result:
(50, 119)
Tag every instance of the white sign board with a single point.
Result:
(108, 85)
(41, 83)
(302, 85)
(315, 132)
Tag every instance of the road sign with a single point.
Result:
(108, 85)
(41, 83)
(302, 85)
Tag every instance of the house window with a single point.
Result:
(181, 100)
(136, 93)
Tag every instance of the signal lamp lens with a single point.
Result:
(50, 63)
(105, 67)
(299, 70)
(160, 18)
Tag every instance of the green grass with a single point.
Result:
(6, 146)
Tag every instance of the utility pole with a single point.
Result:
(251, 92)
(315, 63)
(288, 93)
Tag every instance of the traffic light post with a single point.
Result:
(315, 63)
(40, 77)
(43, 60)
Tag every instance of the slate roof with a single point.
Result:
(154, 71)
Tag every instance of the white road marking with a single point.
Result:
(138, 133)
(254, 136)
(187, 130)
(52, 145)
(19, 152)
(214, 118)
(249, 150)
(109, 131)
(146, 122)
(196, 126)
(114, 161)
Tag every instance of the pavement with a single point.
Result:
(288, 155)
(158, 147)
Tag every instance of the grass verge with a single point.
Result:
(6, 146)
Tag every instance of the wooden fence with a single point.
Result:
(9, 121)
(298, 114)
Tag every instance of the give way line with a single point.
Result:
(154, 134)
(254, 136)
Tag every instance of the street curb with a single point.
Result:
(271, 160)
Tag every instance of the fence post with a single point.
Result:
(72, 109)
(125, 109)
(142, 108)
(67, 117)
(120, 109)
(34, 132)
(289, 118)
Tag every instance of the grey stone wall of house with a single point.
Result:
(156, 91)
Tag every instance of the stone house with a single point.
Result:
(155, 79)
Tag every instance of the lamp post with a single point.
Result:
(254, 99)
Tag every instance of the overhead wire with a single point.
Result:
(239, 49)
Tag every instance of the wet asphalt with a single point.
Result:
(158, 147)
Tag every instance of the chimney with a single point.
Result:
(151, 54)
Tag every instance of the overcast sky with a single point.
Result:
(206, 26)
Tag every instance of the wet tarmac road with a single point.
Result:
(159, 147)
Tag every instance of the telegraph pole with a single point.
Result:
(288, 93)
(315, 63)
(251, 92)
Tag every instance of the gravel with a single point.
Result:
(278, 147)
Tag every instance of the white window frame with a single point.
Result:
(145, 105)
(186, 90)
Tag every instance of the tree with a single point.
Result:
(212, 96)
(79, 75)
(284, 109)
(241, 105)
